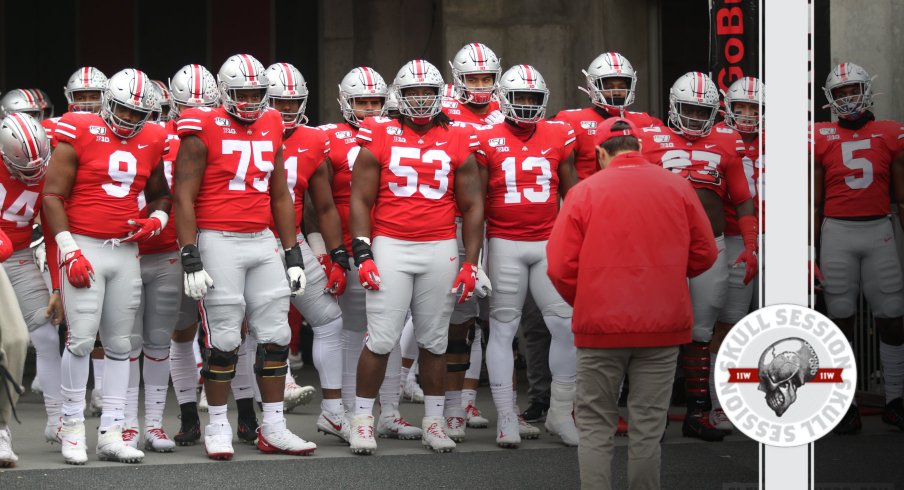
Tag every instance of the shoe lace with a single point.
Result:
(401, 422)
(435, 431)
(455, 422)
(129, 434)
(472, 410)
(366, 431)
(158, 433)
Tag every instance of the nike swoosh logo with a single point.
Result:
(441, 143)
(302, 150)
(141, 147)
(73, 443)
(709, 146)
(875, 135)
(544, 152)
(173, 261)
(337, 427)
(265, 133)
(23, 262)
(451, 259)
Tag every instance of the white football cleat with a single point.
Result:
(7, 457)
(295, 395)
(276, 438)
(508, 432)
(52, 432)
(435, 437)
(475, 419)
(455, 424)
(110, 447)
(130, 433)
(719, 420)
(96, 405)
(392, 425)
(361, 438)
(155, 439)
(412, 392)
(527, 431)
(218, 441)
(202, 400)
(562, 424)
(334, 424)
(72, 440)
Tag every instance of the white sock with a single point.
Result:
(452, 403)
(712, 384)
(156, 372)
(408, 341)
(98, 366)
(563, 361)
(47, 358)
(468, 397)
(892, 357)
(116, 384)
(412, 373)
(433, 405)
(403, 375)
(217, 414)
(74, 377)
(273, 412)
(473, 371)
(327, 354)
(352, 343)
(501, 363)
(184, 372)
(389, 390)
(131, 409)
(332, 405)
(241, 383)
(196, 351)
(364, 406)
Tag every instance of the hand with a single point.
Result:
(336, 280)
(749, 257)
(325, 263)
(54, 311)
(295, 270)
(79, 272)
(467, 279)
(483, 287)
(147, 228)
(196, 281)
(368, 275)
(6, 247)
(40, 255)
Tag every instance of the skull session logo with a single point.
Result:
(785, 375)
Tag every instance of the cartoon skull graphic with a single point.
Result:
(784, 367)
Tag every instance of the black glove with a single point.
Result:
(339, 255)
(294, 258)
(191, 259)
(362, 251)
(37, 236)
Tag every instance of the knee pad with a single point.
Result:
(224, 360)
(272, 353)
(504, 315)
(156, 353)
(119, 347)
(460, 338)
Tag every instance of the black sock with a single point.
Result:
(246, 408)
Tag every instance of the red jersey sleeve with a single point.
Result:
(736, 181)
(190, 123)
(568, 139)
(68, 129)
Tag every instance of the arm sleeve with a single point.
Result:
(52, 250)
(564, 246)
(702, 252)
(736, 181)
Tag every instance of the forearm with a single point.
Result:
(55, 215)
(163, 203)
(472, 231)
(283, 210)
(359, 218)
(330, 227)
(186, 221)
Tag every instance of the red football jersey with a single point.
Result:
(235, 190)
(49, 125)
(417, 177)
(459, 112)
(303, 152)
(754, 171)
(111, 173)
(19, 204)
(584, 122)
(166, 240)
(857, 166)
(712, 162)
(343, 152)
(523, 186)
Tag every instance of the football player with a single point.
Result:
(362, 94)
(306, 153)
(22, 101)
(743, 103)
(415, 169)
(99, 167)
(711, 161)
(526, 164)
(192, 86)
(857, 159)
(25, 150)
(230, 182)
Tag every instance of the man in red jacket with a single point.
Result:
(632, 307)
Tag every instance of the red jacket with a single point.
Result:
(620, 253)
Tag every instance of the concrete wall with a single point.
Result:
(868, 33)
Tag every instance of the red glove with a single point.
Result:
(6, 247)
(817, 274)
(78, 270)
(369, 275)
(335, 280)
(467, 279)
(147, 228)
(749, 233)
(325, 263)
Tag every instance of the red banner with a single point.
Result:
(752, 375)
(733, 40)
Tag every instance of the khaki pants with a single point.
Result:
(600, 374)
(13, 346)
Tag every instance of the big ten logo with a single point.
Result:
(730, 24)
(103, 139)
(229, 130)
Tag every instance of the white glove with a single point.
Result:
(483, 287)
(197, 283)
(494, 117)
(297, 280)
(40, 255)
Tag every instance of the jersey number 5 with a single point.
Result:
(862, 164)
